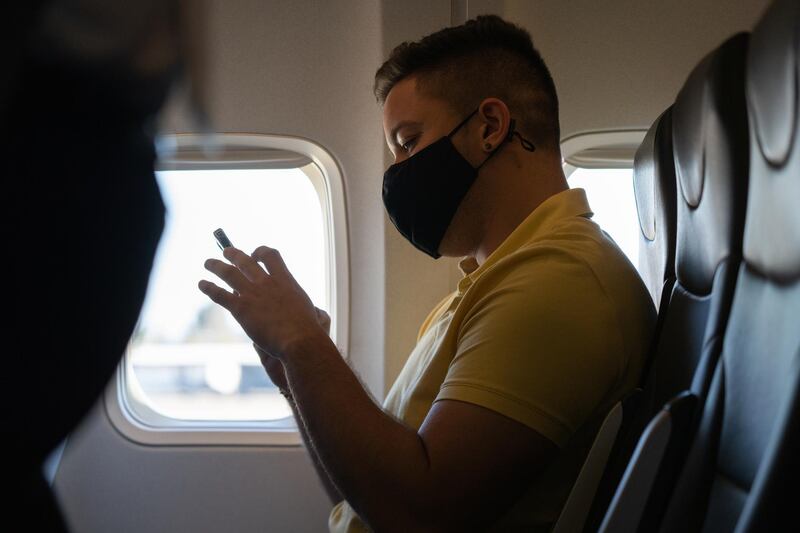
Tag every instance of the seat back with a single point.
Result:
(654, 191)
(710, 140)
(739, 457)
(709, 137)
(775, 167)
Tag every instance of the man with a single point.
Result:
(489, 421)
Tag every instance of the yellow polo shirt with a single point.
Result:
(551, 331)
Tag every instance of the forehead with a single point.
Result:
(406, 103)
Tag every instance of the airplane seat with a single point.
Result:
(710, 144)
(709, 135)
(591, 488)
(654, 192)
(743, 466)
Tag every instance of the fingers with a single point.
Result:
(217, 294)
(227, 273)
(244, 263)
(272, 260)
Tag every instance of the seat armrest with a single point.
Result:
(576, 509)
(666, 432)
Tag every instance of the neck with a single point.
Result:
(516, 199)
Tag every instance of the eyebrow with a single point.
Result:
(402, 124)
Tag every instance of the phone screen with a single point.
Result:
(222, 240)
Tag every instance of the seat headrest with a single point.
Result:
(710, 139)
(654, 192)
(772, 232)
(772, 81)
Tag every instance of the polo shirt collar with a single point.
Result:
(560, 206)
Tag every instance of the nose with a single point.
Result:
(399, 158)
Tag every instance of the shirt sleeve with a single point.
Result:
(543, 348)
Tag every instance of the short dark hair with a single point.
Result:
(484, 57)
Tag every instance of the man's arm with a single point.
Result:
(324, 477)
(461, 470)
(464, 467)
(276, 373)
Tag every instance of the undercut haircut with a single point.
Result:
(485, 57)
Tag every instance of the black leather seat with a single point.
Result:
(709, 133)
(654, 191)
(709, 137)
(742, 469)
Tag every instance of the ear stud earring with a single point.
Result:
(487, 146)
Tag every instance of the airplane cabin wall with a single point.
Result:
(618, 65)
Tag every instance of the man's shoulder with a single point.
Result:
(568, 253)
(574, 264)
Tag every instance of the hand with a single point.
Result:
(273, 365)
(274, 368)
(269, 304)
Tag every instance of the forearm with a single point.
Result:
(330, 488)
(379, 465)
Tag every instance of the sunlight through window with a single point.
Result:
(610, 193)
(190, 358)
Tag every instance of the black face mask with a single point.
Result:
(422, 193)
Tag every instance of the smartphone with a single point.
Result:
(222, 240)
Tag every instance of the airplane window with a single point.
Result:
(189, 357)
(610, 193)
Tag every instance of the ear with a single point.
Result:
(495, 123)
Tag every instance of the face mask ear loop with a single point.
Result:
(512, 130)
(453, 132)
(526, 144)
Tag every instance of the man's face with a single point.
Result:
(412, 120)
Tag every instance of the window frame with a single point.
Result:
(600, 149)
(125, 403)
